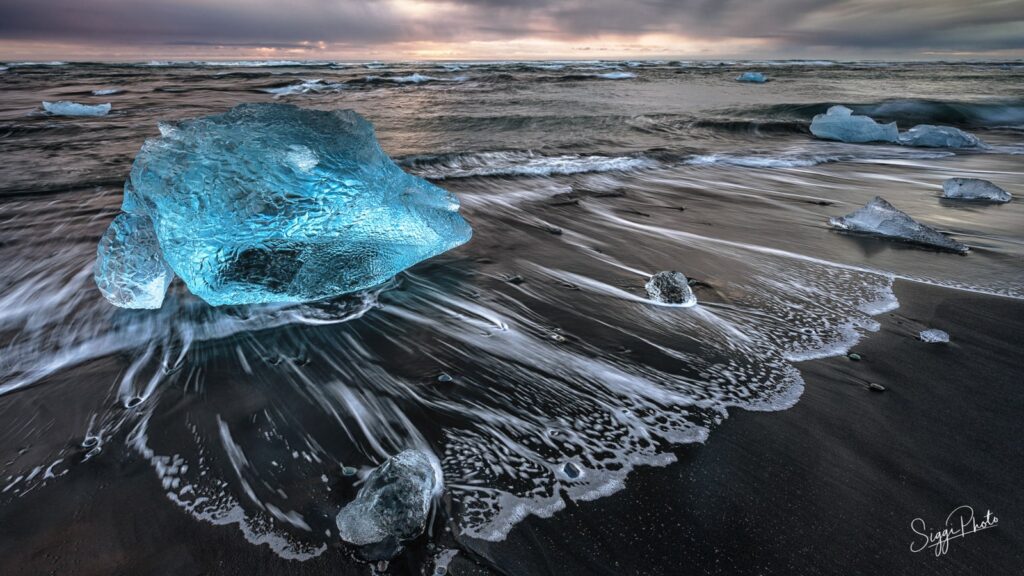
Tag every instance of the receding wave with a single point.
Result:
(519, 163)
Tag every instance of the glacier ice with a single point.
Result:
(275, 203)
(670, 287)
(394, 501)
(756, 77)
(926, 135)
(933, 335)
(840, 123)
(130, 269)
(880, 218)
(65, 108)
(974, 189)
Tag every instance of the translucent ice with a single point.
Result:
(65, 108)
(883, 219)
(756, 77)
(974, 189)
(930, 136)
(130, 270)
(839, 123)
(275, 203)
(670, 288)
(393, 503)
(932, 336)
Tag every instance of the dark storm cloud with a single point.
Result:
(951, 25)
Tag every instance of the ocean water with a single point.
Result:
(530, 360)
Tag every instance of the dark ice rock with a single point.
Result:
(670, 288)
(393, 504)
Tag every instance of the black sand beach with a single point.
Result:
(829, 486)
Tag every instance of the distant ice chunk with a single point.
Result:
(130, 269)
(106, 91)
(756, 77)
(275, 203)
(393, 503)
(926, 135)
(880, 218)
(974, 189)
(617, 75)
(840, 123)
(671, 288)
(932, 336)
(65, 108)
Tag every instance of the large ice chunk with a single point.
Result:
(840, 123)
(974, 189)
(671, 288)
(393, 503)
(275, 203)
(756, 77)
(883, 219)
(65, 108)
(130, 270)
(929, 136)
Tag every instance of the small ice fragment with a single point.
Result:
(756, 77)
(65, 108)
(926, 135)
(393, 503)
(106, 91)
(880, 218)
(616, 75)
(130, 269)
(974, 189)
(571, 470)
(933, 335)
(670, 288)
(839, 123)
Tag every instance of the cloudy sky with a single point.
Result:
(510, 29)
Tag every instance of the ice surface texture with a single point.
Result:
(926, 135)
(933, 336)
(883, 219)
(840, 123)
(65, 108)
(974, 189)
(756, 77)
(130, 271)
(275, 203)
(393, 503)
(670, 288)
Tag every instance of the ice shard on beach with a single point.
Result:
(928, 136)
(670, 288)
(880, 218)
(130, 269)
(840, 123)
(394, 501)
(974, 189)
(933, 336)
(755, 77)
(65, 108)
(275, 203)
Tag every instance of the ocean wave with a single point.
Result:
(305, 87)
(803, 159)
(519, 163)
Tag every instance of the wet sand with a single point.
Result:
(829, 486)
